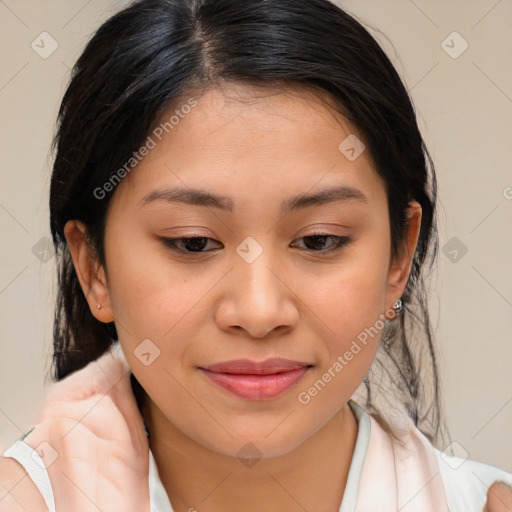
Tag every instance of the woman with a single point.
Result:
(243, 209)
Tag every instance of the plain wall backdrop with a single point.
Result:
(456, 60)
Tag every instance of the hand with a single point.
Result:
(499, 498)
(91, 423)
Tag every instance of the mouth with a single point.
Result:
(254, 380)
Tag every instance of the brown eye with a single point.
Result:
(316, 243)
(188, 245)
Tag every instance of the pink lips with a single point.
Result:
(256, 380)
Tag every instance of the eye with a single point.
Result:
(318, 240)
(196, 245)
(193, 244)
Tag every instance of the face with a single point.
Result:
(261, 272)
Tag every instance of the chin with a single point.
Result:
(256, 443)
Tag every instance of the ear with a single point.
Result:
(400, 267)
(90, 274)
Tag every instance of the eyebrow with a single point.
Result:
(198, 197)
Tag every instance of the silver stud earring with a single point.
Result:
(99, 306)
(398, 305)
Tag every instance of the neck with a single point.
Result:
(310, 477)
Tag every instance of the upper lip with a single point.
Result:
(246, 366)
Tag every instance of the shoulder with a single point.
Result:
(466, 481)
(452, 483)
(18, 493)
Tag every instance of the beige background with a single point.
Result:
(464, 107)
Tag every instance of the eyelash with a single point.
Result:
(342, 241)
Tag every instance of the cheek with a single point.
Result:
(347, 305)
(349, 296)
(148, 292)
(348, 348)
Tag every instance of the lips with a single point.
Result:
(255, 380)
(246, 366)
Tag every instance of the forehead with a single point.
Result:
(251, 140)
(256, 113)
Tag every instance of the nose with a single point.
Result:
(257, 298)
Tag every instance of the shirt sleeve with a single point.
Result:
(35, 468)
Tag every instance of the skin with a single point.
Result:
(296, 300)
(499, 498)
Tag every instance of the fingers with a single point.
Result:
(499, 498)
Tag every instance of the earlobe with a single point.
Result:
(400, 268)
(90, 274)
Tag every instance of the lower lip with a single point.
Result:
(256, 387)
